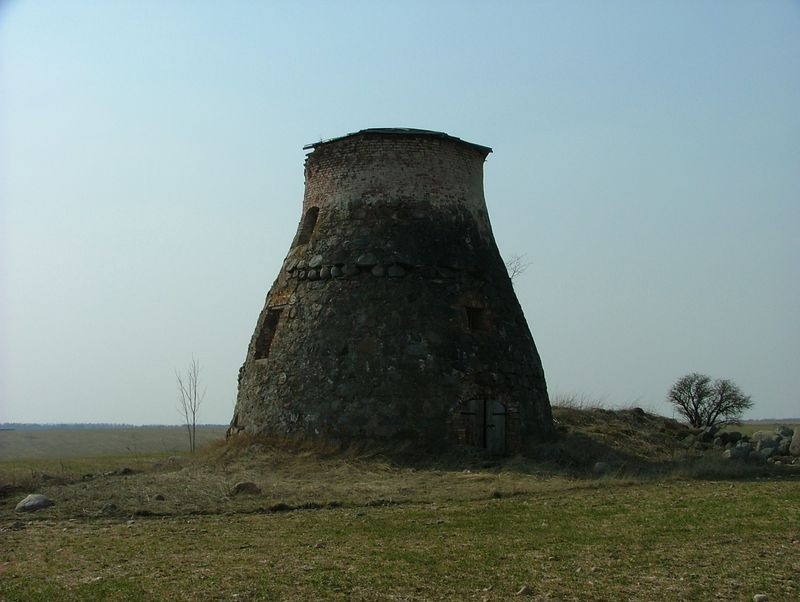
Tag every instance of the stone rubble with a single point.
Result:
(774, 447)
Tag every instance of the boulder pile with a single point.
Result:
(781, 446)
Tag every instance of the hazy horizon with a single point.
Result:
(646, 162)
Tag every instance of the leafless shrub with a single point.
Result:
(190, 399)
(516, 265)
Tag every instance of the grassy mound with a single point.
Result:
(296, 474)
(630, 436)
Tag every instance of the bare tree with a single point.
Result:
(706, 403)
(189, 399)
(516, 265)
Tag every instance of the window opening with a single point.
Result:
(476, 318)
(307, 229)
(264, 340)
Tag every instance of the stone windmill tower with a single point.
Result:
(393, 316)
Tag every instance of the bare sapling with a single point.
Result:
(189, 399)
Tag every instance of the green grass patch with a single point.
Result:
(667, 540)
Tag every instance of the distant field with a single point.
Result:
(79, 442)
(749, 427)
(65, 442)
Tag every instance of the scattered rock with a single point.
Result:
(761, 598)
(315, 261)
(378, 270)
(33, 502)
(159, 497)
(773, 446)
(768, 451)
(109, 509)
(246, 487)
(280, 507)
(794, 446)
(764, 439)
(600, 468)
(525, 590)
(733, 436)
(736, 453)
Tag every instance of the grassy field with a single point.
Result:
(749, 427)
(664, 523)
(89, 442)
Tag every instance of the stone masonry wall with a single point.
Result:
(393, 310)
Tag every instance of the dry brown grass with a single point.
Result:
(377, 524)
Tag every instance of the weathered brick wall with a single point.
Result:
(393, 308)
(395, 169)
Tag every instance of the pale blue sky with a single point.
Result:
(646, 159)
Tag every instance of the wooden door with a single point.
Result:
(495, 428)
(485, 425)
(474, 415)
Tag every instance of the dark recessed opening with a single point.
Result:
(264, 340)
(476, 318)
(307, 229)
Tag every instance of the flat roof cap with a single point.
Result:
(400, 132)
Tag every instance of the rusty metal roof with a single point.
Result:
(400, 132)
